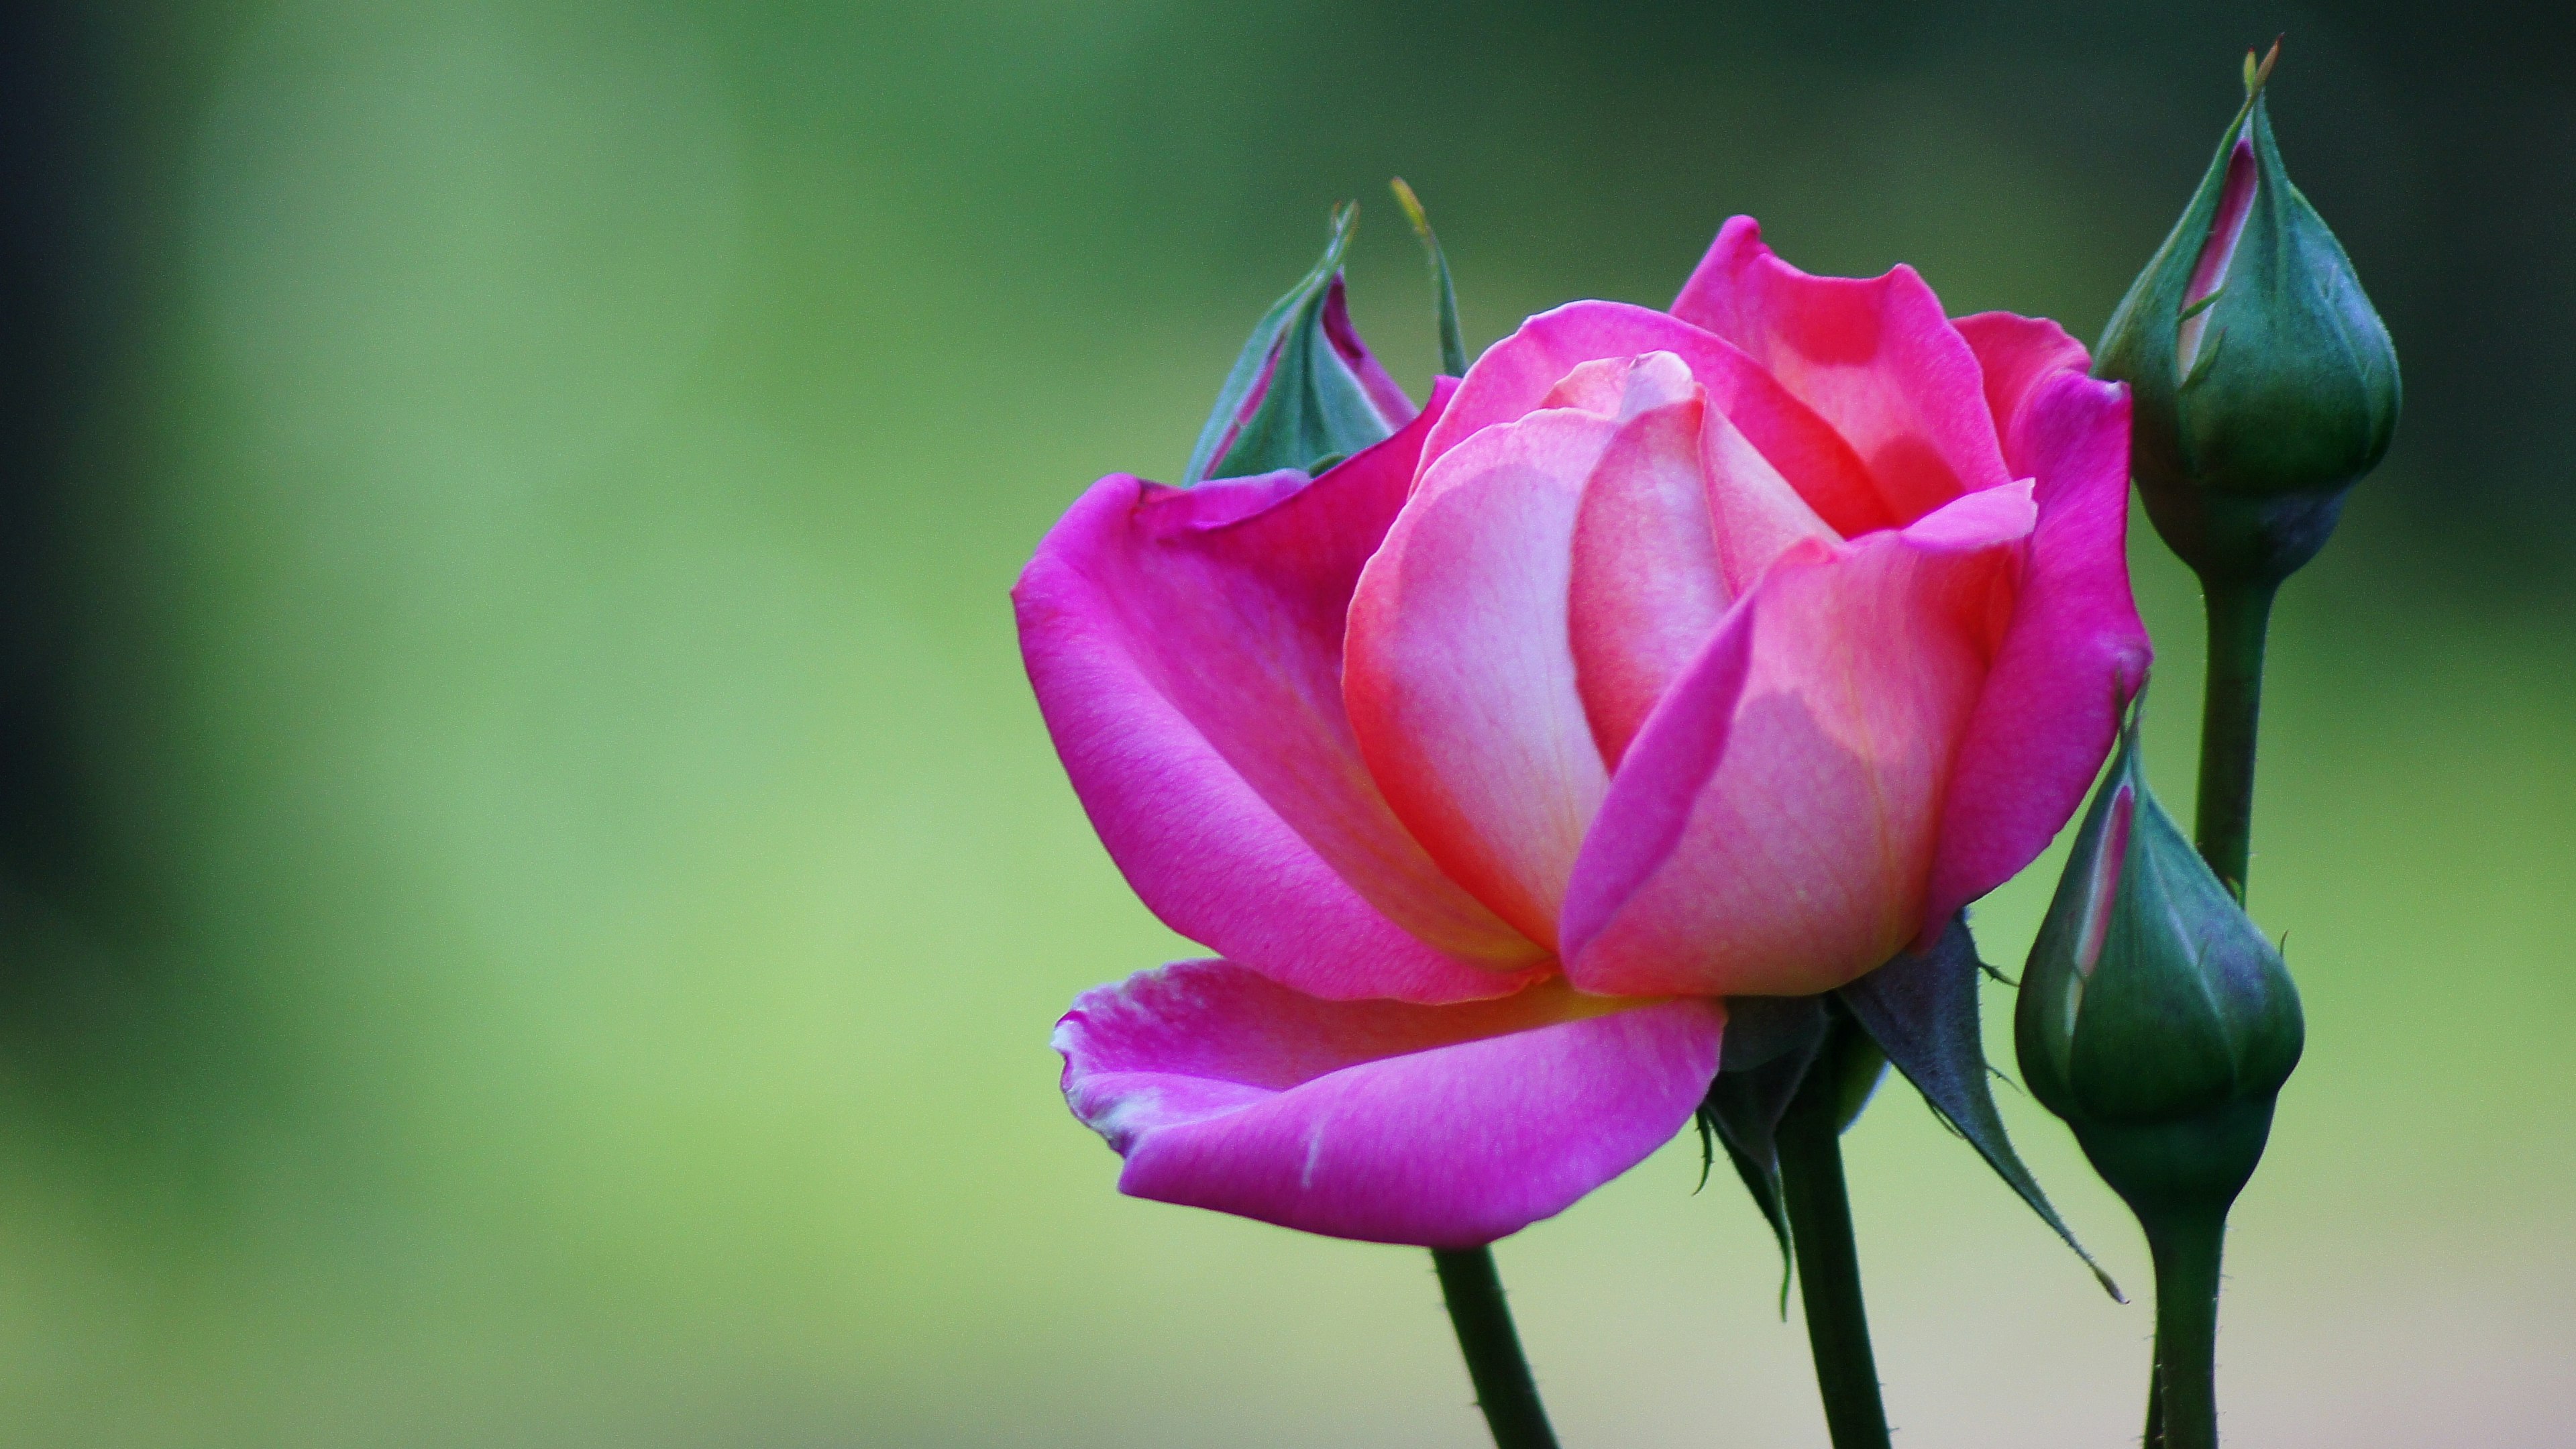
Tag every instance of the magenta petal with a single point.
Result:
(1876, 358)
(1443, 1127)
(2017, 354)
(1185, 647)
(2072, 656)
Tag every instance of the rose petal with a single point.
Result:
(1647, 588)
(1459, 676)
(1679, 517)
(1517, 375)
(2072, 656)
(1185, 647)
(1771, 831)
(2016, 354)
(1875, 358)
(1445, 1126)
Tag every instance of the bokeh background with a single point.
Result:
(532, 892)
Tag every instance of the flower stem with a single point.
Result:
(1820, 1234)
(2231, 712)
(2182, 1404)
(1492, 1347)
(2230, 709)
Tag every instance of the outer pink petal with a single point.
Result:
(2072, 656)
(1459, 677)
(2016, 355)
(1875, 358)
(1516, 375)
(1444, 1126)
(1186, 650)
(1772, 829)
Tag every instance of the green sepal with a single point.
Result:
(1444, 292)
(1921, 1009)
(1303, 391)
(1771, 1044)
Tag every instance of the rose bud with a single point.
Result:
(2154, 1016)
(2264, 383)
(1305, 393)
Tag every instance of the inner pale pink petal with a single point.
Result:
(1459, 674)
(1814, 774)
(1755, 513)
(1680, 517)
(1648, 587)
(1597, 386)
(1623, 387)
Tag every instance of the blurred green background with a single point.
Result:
(532, 892)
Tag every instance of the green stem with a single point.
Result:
(2182, 1402)
(2231, 715)
(1820, 1234)
(2230, 709)
(1504, 1388)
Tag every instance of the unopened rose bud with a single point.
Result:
(2154, 1016)
(2264, 383)
(1305, 393)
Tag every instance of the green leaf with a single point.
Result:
(1922, 1011)
(1304, 390)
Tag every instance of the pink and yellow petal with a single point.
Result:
(1680, 516)
(1772, 830)
(1648, 587)
(1459, 678)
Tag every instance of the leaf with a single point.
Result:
(1922, 1011)
(1304, 390)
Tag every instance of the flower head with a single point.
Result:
(1669, 656)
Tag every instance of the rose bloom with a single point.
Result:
(1664, 658)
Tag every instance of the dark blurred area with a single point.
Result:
(530, 892)
(59, 338)
(76, 964)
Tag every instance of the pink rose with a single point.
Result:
(1667, 657)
